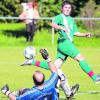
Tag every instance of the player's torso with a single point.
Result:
(43, 94)
(69, 23)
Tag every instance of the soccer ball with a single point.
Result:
(29, 52)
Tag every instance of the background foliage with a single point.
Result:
(47, 7)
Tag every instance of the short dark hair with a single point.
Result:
(36, 82)
(66, 3)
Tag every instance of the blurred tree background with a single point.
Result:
(50, 8)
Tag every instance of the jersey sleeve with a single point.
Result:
(57, 19)
(27, 95)
(52, 80)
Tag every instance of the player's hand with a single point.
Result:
(5, 88)
(88, 35)
(65, 30)
(44, 53)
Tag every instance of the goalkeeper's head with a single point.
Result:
(38, 78)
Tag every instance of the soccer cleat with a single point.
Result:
(70, 96)
(4, 89)
(98, 79)
(74, 89)
(44, 53)
(27, 62)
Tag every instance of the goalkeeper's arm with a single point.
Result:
(45, 55)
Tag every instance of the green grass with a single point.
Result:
(16, 76)
(11, 57)
(42, 37)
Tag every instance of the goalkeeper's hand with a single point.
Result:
(5, 90)
(27, 62)
(45, 54)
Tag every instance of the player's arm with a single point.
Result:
(79, 34)
(5, 90)
(56, 26)
(59, 27)
(56, 23)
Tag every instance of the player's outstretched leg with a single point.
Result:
(27, 62)
(37, 63)
(74, 89)
(86, 68)
(69, 91)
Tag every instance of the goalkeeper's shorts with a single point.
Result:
(66, 48)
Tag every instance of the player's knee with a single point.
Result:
(58, 63)
(79, 57)
(61, 75)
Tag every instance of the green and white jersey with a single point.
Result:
(61, 20)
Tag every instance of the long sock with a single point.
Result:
(65, 87)
(42, 64)
(64, 83)
(86, 68)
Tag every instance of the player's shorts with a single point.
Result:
(66, 48)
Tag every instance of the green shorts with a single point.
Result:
(66, 48)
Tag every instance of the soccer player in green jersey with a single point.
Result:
(66, 48)
(67, 28)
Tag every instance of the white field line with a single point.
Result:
(82, 93)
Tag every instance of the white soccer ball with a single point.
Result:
(29, 52)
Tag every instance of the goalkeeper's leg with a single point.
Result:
(64, 81)
(69, 91)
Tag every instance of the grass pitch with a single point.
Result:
(16, 76)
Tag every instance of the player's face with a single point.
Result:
(66, 9)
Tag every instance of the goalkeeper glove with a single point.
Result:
(5, 90)
(45, 54)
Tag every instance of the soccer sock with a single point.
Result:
(64, 83)
(86, 68)
(65, 87)
(42, 64)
